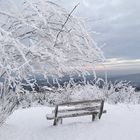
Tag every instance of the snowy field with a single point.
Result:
(120, 123)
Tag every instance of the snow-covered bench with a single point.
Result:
(77, 108)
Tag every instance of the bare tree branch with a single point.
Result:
(65, 24)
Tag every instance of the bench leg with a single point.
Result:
(101, 109)
(93, 117)
(56, 112)
(61, 120)
(55, 121)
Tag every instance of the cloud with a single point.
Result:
(85, 3)
(119, 66)
(118, 23)
(119, 62)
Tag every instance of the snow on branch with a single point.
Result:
(47, 37)
(39, 36)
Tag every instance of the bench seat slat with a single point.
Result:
(88, 108)
(71, 114)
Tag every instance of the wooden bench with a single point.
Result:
(77, 108)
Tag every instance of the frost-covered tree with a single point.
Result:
(120, 92)
(39, 36)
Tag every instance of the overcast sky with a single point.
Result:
(117, 23)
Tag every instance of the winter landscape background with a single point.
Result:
(54, 52)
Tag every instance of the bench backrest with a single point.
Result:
(87, 106)
(80, 102)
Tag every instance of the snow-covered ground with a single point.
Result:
(120, 123)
